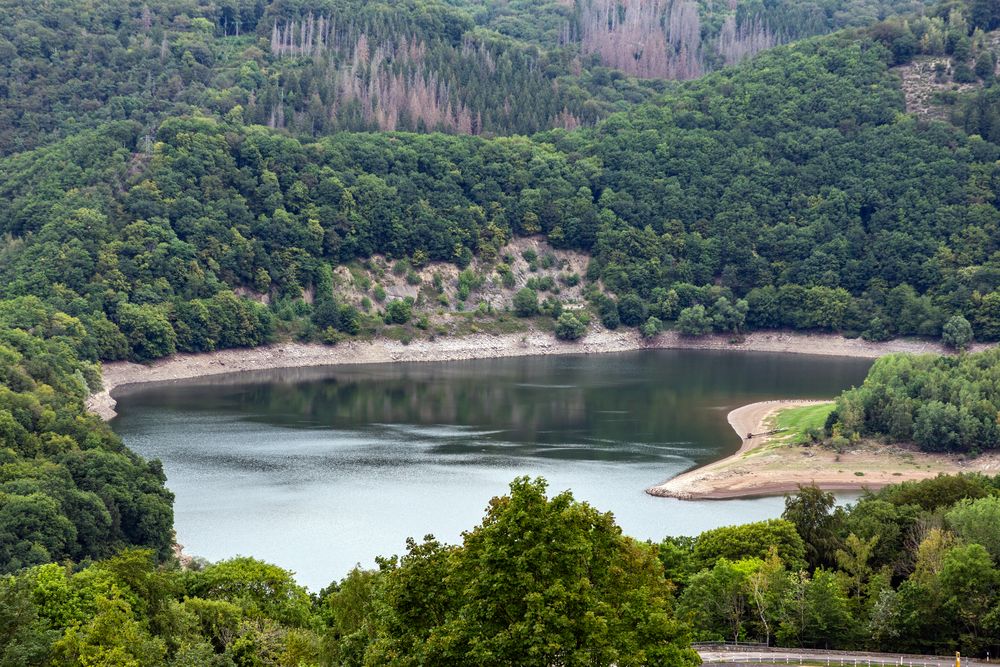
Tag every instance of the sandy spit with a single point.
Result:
(758, 469)
(716, 480)
(476, 346)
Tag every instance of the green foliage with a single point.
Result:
(569, 327)
(129, 611)
(957, 333)
(68, 489)
(937, 492)
(147, 331)
(607, 308)
(694, 321)
(632, 311)
(147, 210)
(794, 239)
(716, 598)
(525, 302)
(651, 327)
(468, 280)
(258, 588)
(943, 404)
(729, 317)
(751, 540)
(810, 512)
(891, 582)
(976, 521)
(540, 581)
(399, 311)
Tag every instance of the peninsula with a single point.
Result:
(773, 462)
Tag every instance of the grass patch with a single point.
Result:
(797, 423)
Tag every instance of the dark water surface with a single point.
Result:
(320, 469)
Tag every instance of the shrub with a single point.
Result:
(651, 327)
(526, 302)
(568, 327)
(399, 311)
(694, 321)
(957, 333)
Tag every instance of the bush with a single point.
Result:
(147, 331)
(694, 321)
(570, 279)
(985, 65)
(399, 311)
(962, 73)
(468, 281)
(877, 331)
(349, 320)
(552, 307)
(526, 302)
(607, 308)
(568, 327)
(651, 327)
(957, 333)
(632, 311)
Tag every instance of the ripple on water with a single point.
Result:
(328, 472)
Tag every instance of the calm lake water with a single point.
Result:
(321, 469)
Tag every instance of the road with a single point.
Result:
(747, 656)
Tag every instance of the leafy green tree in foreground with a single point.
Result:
(978, 522)
(542, 581)
(810, 511)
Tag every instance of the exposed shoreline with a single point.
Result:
(476, 346)
(758, 470)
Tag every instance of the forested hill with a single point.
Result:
(312, 67)
(174, 176)
(791, 191)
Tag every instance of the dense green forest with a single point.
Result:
(910, 568)
(315, 66)
(790, 191)
(188, 175)
(69, 490)
(546, 581)
(943, 404)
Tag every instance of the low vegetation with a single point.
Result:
(802, 425)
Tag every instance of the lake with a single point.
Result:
(321, 469)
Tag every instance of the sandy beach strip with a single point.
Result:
(715, 480)
(475, 346)
(758, 470)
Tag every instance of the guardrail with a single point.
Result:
(730, 646)
(791, 656)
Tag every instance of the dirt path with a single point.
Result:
(476, 346)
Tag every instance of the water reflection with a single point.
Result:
(318, 469)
